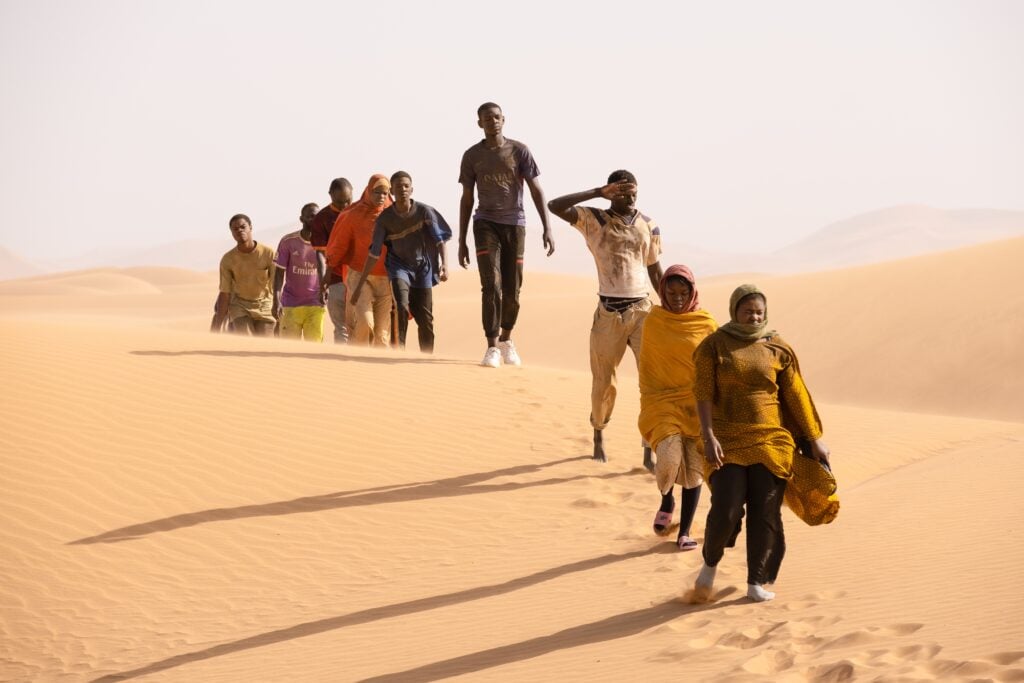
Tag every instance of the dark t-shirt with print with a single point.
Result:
(412, 243)
(499, 174)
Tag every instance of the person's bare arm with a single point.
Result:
(565, 206)
(712, 449)
(821, 452)
(275, 292)
(465, 211)
(442, 252)
(538, 201)
(655, 273)
(278, 286)
(221, 312)
(321, 274)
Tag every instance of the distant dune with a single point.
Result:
(895, 233)
(13, 266)
(874, 237)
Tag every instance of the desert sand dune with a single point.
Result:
(186, 507)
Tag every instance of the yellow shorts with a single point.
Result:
(303, 322)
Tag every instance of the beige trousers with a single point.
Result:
(679, 462)
(609, 337)
(371, 316)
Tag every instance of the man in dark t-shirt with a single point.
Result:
(340, 191)
(416, 261)
(496, 168)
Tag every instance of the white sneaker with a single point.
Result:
(492, 359)
(758, 593)
(508, 353)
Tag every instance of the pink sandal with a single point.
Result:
(662, 520)
(686, 543)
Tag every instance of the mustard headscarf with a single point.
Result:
(746, 331)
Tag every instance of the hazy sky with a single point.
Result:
(748, 124)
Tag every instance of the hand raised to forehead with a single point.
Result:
(618, 189)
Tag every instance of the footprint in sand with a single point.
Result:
(751, 637)
(825, 595)
(811, 625)
(852, 639)
(897, 629)
(950, 669)
(689, 597)
(917, 652)
(769, 661)
(602, 500)
(836, 672)
(670, 656)
(1005, 658)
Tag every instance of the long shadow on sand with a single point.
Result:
(380, 360)
(463, 485)
(618, 626)
(612, 628)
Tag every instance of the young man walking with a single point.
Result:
(298, 283)
(626, 246)
(340, 191)
(246, 298)
(496, 167)
(416, 261)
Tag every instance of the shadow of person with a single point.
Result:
(610, 628)
(615, 627)
(462, 485)
(380, 360)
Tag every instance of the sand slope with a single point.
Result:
(189, 507)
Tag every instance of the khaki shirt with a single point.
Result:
(249, 276)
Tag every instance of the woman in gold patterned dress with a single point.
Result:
(754, 408)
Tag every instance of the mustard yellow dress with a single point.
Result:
(760, 408)
(759, 400)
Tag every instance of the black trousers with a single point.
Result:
(499, 257)
(732, 487)
(420, 302)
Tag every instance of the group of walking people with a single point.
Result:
(723, 405)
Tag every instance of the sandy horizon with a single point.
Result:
(181, 506)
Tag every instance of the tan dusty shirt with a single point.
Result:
(249, 276)
(622, 250)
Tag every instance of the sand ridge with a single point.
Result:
(182, 506)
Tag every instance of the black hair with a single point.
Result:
(237, 216)
(620, 175)
(339, 183)
(485, 106)
(398, 175)
(306, 206)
